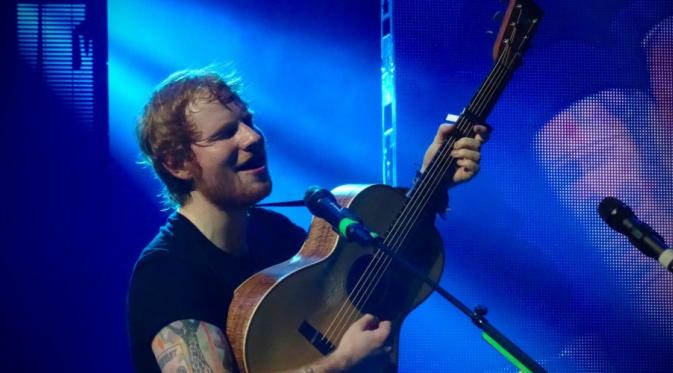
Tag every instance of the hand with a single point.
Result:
(466, 151)
(364, 339)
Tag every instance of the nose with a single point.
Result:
(249, 136)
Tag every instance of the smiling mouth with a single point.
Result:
(254, 164)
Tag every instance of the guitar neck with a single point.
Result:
(519, 24)
(481, 105)
(442, 165)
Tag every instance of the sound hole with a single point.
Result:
(361, 290)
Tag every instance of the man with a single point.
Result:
(199, 137)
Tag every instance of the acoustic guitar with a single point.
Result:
(296, 312)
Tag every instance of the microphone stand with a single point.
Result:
(492, 335)
(324, 205)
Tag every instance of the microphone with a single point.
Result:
(322, 203)
(621, 218)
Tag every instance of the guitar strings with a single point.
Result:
(435, 183)
(432, 184)
(379, 255)
(417, 209)
(360, 292)
(500, 76)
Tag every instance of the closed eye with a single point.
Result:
(226, 132)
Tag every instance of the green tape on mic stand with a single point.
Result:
(505, 353)
(344, 224)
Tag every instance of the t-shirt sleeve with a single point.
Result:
(164, 289)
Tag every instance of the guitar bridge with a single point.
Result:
(319, 341)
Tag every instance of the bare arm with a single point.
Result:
(192, 346)
(362, 342)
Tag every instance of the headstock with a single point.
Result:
(518, 26)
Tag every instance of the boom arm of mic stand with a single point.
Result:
(492, 335)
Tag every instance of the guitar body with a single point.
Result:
(296, 312)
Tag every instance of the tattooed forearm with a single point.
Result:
(186, 329)
(192, 346)
(166, 356)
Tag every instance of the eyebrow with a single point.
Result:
(223, 127)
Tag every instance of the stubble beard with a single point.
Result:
(239, 197)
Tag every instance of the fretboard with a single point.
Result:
(442, 166)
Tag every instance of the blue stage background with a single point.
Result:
(587, 116)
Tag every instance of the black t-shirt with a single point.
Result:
(182, 275)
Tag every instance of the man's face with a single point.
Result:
(229, 165)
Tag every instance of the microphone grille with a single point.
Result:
(613, 211)
(314, 194)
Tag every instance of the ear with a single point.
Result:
(182, 170)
